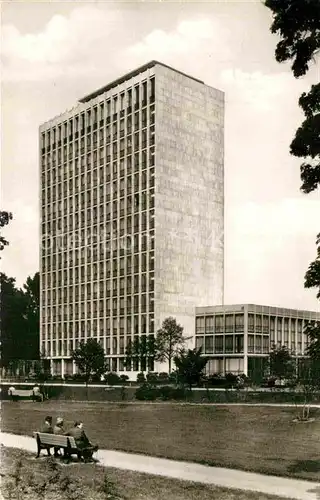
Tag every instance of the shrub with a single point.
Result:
(141, 378)
(163, 377)
(168, 392)
(165, 393)
(216, 380)
(112, 378)
(152, 377)
(231, 379)
(173, 377)
(146, 392)
(124, 378)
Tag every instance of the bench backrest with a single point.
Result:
(22, 392)
(55, 439)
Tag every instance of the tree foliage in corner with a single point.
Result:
(190, 365)
(297, 22)
(169, 341)
(89, 358)
(5, 218)
(312, 277)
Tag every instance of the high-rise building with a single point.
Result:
(132, 213)
(239, 338)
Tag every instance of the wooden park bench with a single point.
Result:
(22, 393)
(47, 441)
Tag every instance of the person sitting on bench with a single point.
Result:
(86, 448)
(36, 394)
(47, 429)
(58, 429)
(12, 393)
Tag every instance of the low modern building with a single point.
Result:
(238, 338)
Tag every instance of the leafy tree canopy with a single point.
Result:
(281, 363)
(5, 218)
(312, 277)
(190, 365)
(169, 341)
(89, 358)
(297, 24)
(19, 314)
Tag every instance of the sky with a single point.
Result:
(54, 53)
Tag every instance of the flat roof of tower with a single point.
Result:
(127, 76)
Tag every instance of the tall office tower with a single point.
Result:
(131, 213)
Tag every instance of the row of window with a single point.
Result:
(114, 364)
(81, 247)
(220, 344)
(136, 97)
(80, 329)
(233, 344)
(99, 145)
(74, 257)
(124, 265)
(92, 177)
(92, 196)
(137, 303)
(64, 347)
(256, 323)
(90, 208)
(120, 150)
(97, 235)
(74, 291)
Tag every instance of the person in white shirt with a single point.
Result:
(36, 394)
(12, 392)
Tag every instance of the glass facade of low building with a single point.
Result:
(238, 338)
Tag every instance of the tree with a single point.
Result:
(190, 365)
(312, 329)
(312, 277)
(89, 358)
(31, 294)
(141, 350)
(306, 143)
(281, 363)
(308, 382)
(298, 24)
(169, 341)
(12, 311)
(5, 218)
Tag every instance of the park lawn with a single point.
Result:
(87, 480)
(252, 438)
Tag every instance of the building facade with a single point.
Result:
(238, 338)
(132, 213)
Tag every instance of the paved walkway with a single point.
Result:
(229, 478)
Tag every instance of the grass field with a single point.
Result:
(87, 481)
(259, 439)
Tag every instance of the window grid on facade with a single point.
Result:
(97, 173)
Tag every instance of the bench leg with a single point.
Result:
(38, 447)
